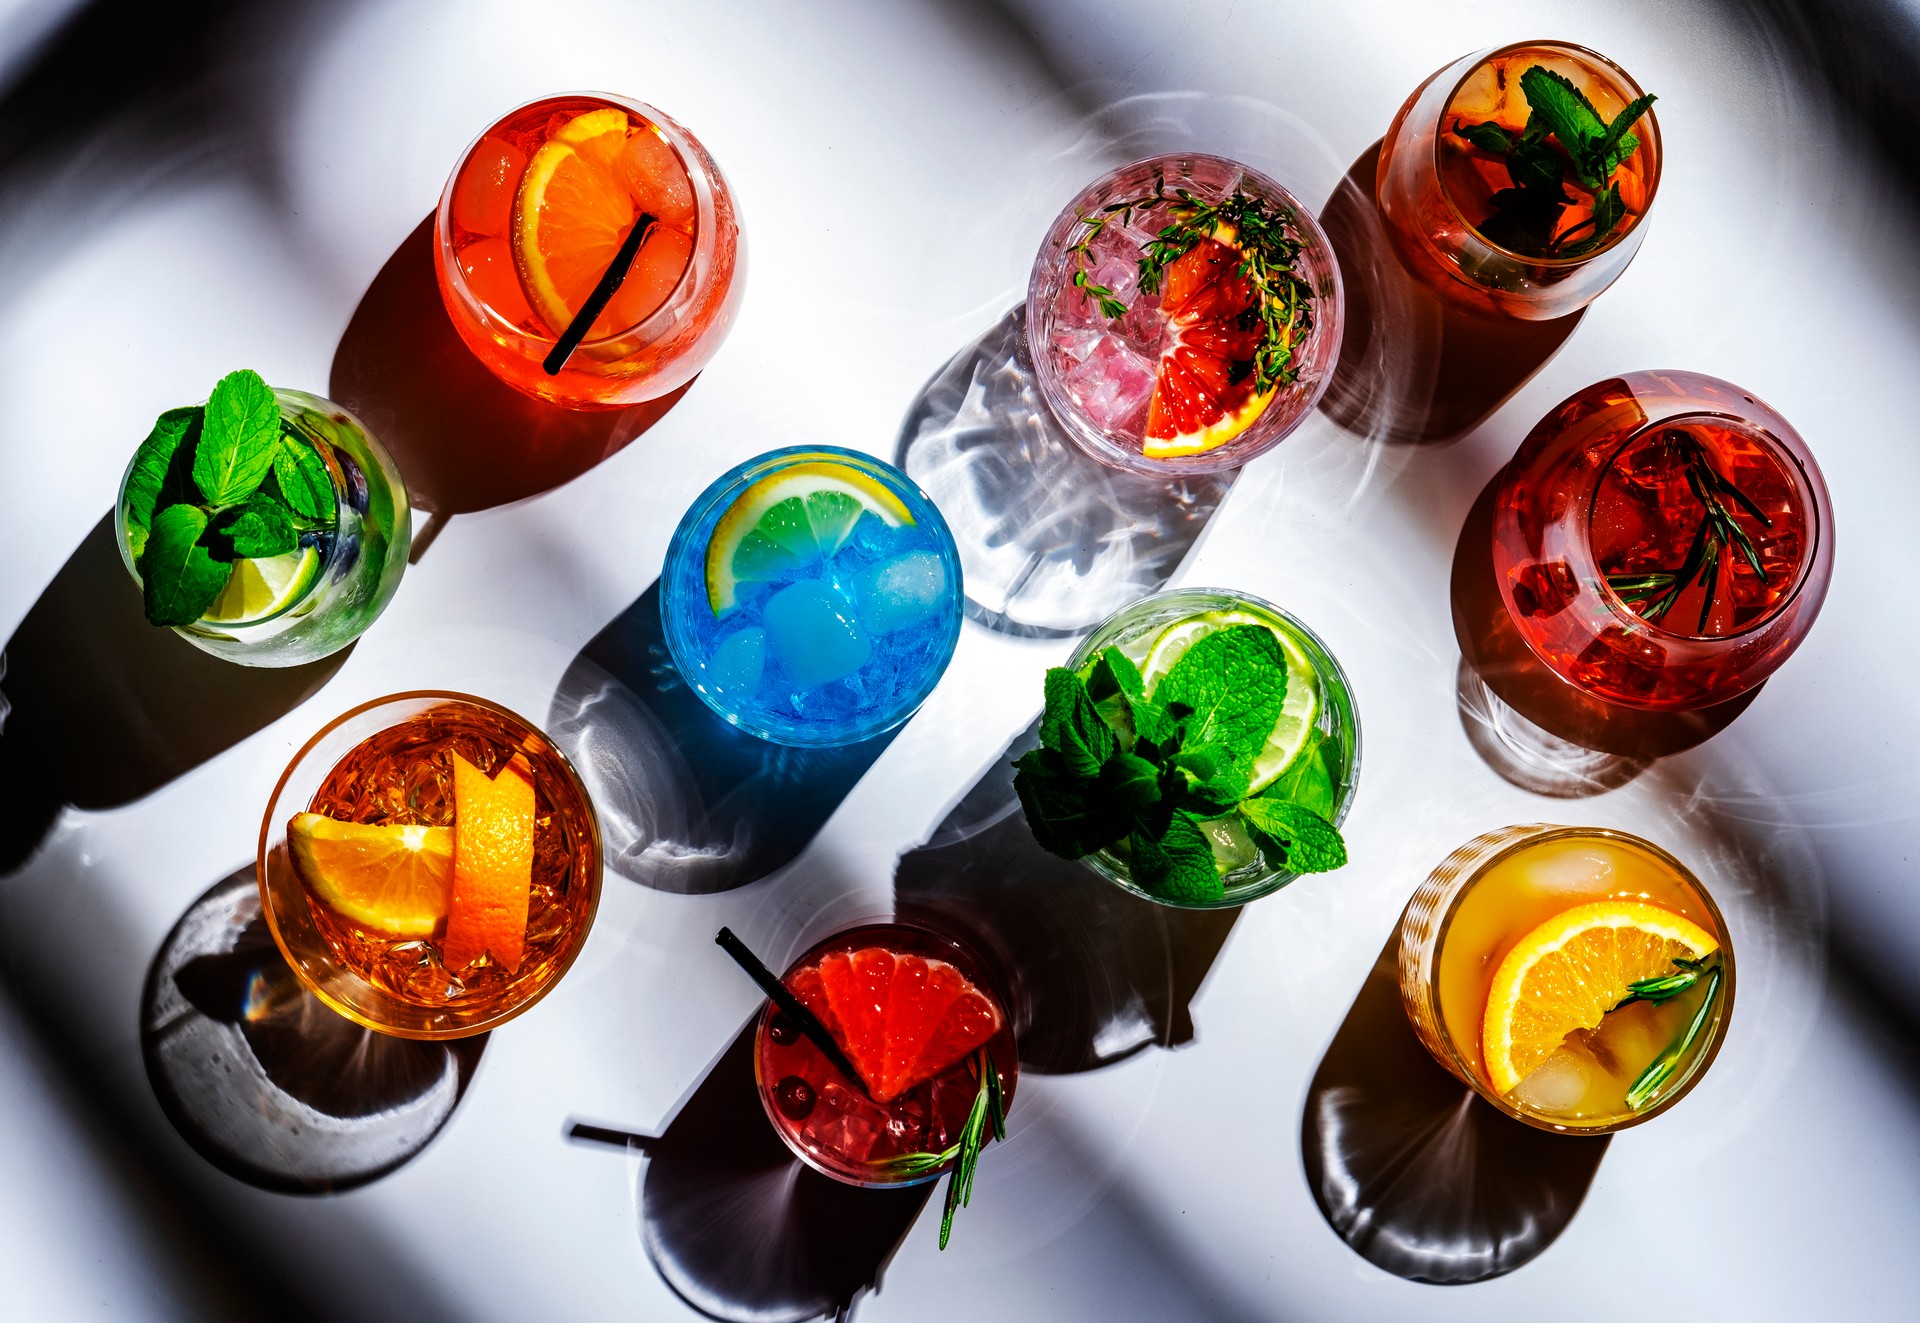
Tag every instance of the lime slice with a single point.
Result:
(790, 519)
(1293, 731)
(257, 589)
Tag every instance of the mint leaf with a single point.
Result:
(1487, 137)
(1608, 211)
(1617, 144)
(1233, 683)
(1114, 673)
(1212, 779)
(149, 471)
(1536, 168)
(179, 577)
(1132, 782)
(1308, 782)
(261, 527)
(1294, 837)
(237, 439)
(1072, 728)
(304, 480)
(1069, 816)
(1566, 110)
(1178, 865)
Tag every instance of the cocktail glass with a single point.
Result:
(1436, 190)
(389, 762)
(538, 209)
(1102, 375)
(812, 596)
(323, 596)
(1490, 895)
(1333, 740)
(1627, 582)
(833, 1124)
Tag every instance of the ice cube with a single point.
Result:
(738, 663)
(901, 592)
(1112, 385)
(1559, 1085)
(814, 634)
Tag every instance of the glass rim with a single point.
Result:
(596, 870)
(727, 488)
(1605, 66)
(1537, 833)
(645, 331)
(1334, 676)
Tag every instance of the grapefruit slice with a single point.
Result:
(492, 866)
(901, 1019)
(583, 190)
(1203, 392)
(392, 879)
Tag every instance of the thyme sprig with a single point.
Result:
(989, 1113)
(1652, 595)
(1268, 252)
(1661, 1069)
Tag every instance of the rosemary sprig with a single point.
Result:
(989, 1112)
(1661, 1069)
(1267, 257)
(1652, 595)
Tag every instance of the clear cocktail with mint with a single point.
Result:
(1201, 748)
(266, 526)
(812, 596)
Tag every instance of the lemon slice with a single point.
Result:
(1294, 729)
(787, 520)
(1570, 971)
(259, 589)
(393, 879)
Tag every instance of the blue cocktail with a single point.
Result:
(812, 596)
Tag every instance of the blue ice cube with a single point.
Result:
(814, 633)
(901, 592)
(738, 663)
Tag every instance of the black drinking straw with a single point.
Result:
(610, 281)
(791, 1006)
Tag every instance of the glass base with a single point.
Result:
(1531, 756)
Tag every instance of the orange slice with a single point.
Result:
(394, 880)
(1203, 392)
(1570, 971)
(492, 866)
(583, 191)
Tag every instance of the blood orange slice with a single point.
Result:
(1203, 393)
(901, 1019)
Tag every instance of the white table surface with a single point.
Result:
(895, 164)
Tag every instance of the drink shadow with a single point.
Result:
(1416, 1173)
(688, 803)
(264, 1080)
(99, 709)
(1413, 370)
(1051, 540)
(464, 440)
(1529, 725)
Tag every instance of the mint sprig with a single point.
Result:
(215, 484)
(1148, 775)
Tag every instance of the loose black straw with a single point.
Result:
(610, 281)
(794, 1009)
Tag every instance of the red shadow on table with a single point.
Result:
(464, 440)
(1527, 723)
(1413, 370)
(1417, 1173)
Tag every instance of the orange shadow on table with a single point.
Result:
(464, 440)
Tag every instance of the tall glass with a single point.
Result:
(388, 762)
(353, 569)
(1600, 511)
(536, 211)
(1488, 896)
(1107, 379)
(1435, 190)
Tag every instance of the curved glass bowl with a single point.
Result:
(1437, 242)
(882, 693)
(1133, 630)
(362, 557)
(635, 363)
(1428, 923)
(1060, 320)
(334, 958)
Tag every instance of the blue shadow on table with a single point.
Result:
(99, 709)
(1413, 1170)
(688, 803)
(266, 1082)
